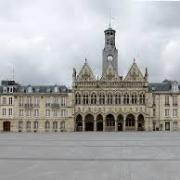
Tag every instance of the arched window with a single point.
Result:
(126, 98)
(93, 98)
(78, 98)
(134, 98)
(109, 98)
(142, 98)
(47, 125)
(102, 98)
(118, 99)
(85, 98)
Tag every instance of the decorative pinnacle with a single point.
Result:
(85, 60)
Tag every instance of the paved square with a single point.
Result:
(90, 156)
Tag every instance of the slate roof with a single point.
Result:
(35, 89)
(166, 85)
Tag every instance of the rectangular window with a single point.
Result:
(166, 112)
(154, 100)
(63, 101)
(28, 112)
(175, 112)
(55, 113)
(154, 112)
(175, 102)
(3, 111)
(36, 112)
(21, 101)
(10, 101)
(63, 112)
(166, 100)
(10, 111)
(47, 112)
(29, 100)
(36, 101)
(4, 100)
(21, 112)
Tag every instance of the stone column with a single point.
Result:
(115, 125)
(104, 125)
(95, 126)
(124, 123)
(136, 124)
(83, 124)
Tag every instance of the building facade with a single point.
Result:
(108, 103)
(35, 108)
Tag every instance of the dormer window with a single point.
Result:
(174, 86)
(4, 89)
(55, 89)
(11, 89)
(29, 89)
(37, 90)
(48, 90)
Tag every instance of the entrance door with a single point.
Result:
(99, 126)
(89, 126)
(167, 126)
(7, 126)
(120, 126)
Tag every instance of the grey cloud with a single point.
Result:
(45, 39)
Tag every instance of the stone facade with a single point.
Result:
(35, 108)
(109, 103)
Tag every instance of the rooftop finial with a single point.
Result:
(134, 60)
(85, 60)
(110, 18)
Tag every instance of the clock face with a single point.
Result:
(110, 58)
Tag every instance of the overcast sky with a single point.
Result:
(45, 39)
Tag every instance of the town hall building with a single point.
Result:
(109, 103)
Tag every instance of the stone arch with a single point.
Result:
(130, 122)
(78, 123)
(99, 122)
(89, 122)
(141, 122)
(120, 122)
(110, 122)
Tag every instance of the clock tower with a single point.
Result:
(110, 53)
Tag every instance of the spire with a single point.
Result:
(146, 74)
(85, 60)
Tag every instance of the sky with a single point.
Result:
(45, 39)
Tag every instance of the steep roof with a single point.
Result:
(86, 73)
(134, 73)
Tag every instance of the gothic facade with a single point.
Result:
(109, 103)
